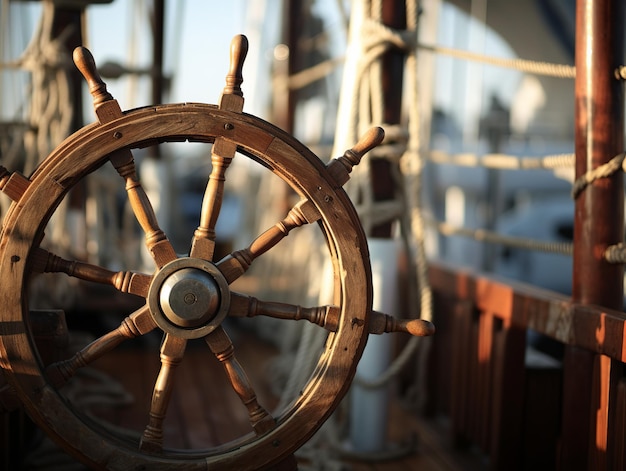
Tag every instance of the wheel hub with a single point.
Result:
(189, 297)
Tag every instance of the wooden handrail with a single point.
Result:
(592, 328)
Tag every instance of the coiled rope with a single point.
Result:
(366, 110)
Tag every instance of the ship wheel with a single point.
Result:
(187, 297)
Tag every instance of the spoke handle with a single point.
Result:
(232, 96)
(106, 107)
(383, 323)
(87, 65)
(341, 167)
(372, 138)
(234, 78)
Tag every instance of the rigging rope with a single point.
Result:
(503, 161)
(616, 253)
(603, 171)
(523, 65)
(483, 235)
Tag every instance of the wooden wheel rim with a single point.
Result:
(87, 150)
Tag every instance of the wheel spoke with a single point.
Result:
(222, 153)
(124, 281)
(203, 243)
(157, 242)
(327, 317)
(138, 323)
(222, 347)
(237, 263)
(381, 323)
(242, 305)
(172, 352)
(107, 109)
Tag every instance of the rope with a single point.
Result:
(503, 161)
(613, 254)
(49, 113)
(393, 370)
(523, 65)
(413, 231)
(616, 253)
(376, 39)
(603, 171)
(482, 235)
(405, 40)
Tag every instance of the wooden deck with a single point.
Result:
(205, 411)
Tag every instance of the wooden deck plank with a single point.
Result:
(222, 411)
(192, 405)
(143, 370)
(203, 400)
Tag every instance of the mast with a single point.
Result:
(382, 182)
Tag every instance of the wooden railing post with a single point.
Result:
(507, 420)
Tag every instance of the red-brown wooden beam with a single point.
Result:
(591, 328)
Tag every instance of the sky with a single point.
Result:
(197, 42)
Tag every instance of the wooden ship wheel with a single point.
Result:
(187, 297)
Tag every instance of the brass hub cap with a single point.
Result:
(189, 298)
